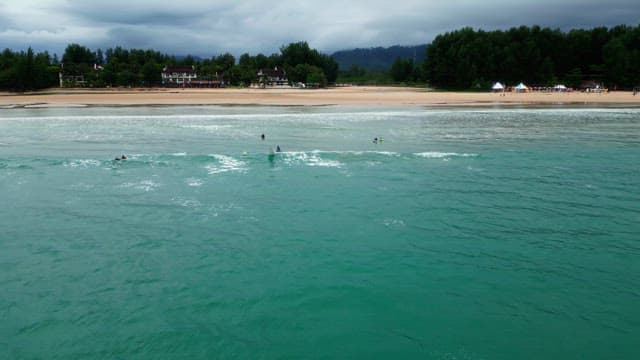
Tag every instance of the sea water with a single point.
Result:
(459, 234)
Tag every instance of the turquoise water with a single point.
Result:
(466, 234)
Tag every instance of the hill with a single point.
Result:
(378, 58)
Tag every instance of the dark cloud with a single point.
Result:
(138, 13)
(205, 28)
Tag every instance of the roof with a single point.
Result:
(589, 84)
(275, 72)
(178, 69)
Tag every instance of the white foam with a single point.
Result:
(356, 152)
(209, 128)
(194, 182)
(144, 185)
(225, 164)
(81, 163)
(393, 223)
(442, 155)
(189, 203)
(310, 159)
(179, 154)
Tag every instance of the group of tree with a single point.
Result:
(357, 74)
(24, 70)
(377, 59)
(460, 59)
(469, 58)
(21, 71)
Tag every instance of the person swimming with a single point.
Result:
(262, 136)
(375, 140)
(278, 148)
(123, 157)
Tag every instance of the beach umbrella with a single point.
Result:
(521, 87)
(560, 87)
(497, 86)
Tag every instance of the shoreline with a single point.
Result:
(349, 96)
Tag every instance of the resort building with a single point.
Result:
(73, 75)
(273, 78)
(592, 86)
(178, 76)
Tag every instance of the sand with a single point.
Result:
(360, 95)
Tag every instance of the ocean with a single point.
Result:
(462, 233)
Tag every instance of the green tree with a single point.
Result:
(78, 54)
(300, 53)
(151, 73)
(402, 70)
(315, 75)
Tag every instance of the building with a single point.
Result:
(591, 86)
(74, 74)
(272, 78)
(178, 76)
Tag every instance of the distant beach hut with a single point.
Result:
(560, 87)
(521, 88)
(497, 87)
(591, 86)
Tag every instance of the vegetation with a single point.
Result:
(462, 59)
(22, 71)
(360, 76)
(467, 58)
(378, 59)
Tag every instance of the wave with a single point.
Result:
(144, 185)
(309, 159)
(441, 155)
(233, 163)
(296, 116)
(194, 182)
(82, 163)
(224, 164)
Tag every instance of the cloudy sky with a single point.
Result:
(210, 27)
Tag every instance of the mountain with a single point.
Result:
(378, 58)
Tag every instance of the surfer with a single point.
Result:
(262, 136)
(278, 148)
(123, 157)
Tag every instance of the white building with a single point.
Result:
(178, 76)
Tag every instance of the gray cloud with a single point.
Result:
(206, 28)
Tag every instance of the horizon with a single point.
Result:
(201, 29)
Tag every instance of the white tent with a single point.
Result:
(560, 87)
(497, 87)
(521, 87)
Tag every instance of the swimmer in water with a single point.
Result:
(278, 148)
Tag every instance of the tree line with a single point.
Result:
(468, 58)
(26, 70)
(461, 59)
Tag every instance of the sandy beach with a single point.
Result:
(360, 95)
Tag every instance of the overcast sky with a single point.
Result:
(211, 27)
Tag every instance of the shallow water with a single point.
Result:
(465, 234)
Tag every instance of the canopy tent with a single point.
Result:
(497, 87)
(560, 87)
(521, 87)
